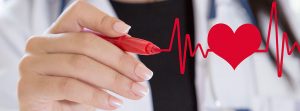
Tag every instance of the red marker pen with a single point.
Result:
(131, 44)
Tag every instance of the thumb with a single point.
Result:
(82, 15)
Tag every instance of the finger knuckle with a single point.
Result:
(119, 82)
(66, 85)
(94, 98)
(104, 22)
(88, 38)
(86, 41)
(115, 79)
(25, 63)
(121, 59)
(100, 21)
(32, 43)
(78, 61)
(126, 60)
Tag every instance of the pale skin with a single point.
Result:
(66, 69)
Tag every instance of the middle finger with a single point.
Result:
(88, 70)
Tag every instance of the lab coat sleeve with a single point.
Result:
(14, 30)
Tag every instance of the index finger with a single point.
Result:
(94, 47)
(82, 15)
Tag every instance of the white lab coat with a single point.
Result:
(252, 85)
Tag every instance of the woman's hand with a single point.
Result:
(70, 70)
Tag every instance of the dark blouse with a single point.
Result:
(171, 91)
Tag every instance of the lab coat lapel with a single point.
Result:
(221, 76)
(201, 30)
(40, 20)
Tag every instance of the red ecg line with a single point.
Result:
(188, 44)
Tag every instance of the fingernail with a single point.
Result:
(139, 89)
(143, 72)
(121, 27)
(115, 102)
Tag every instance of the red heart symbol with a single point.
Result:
(234, 47)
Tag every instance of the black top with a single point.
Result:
(171, 91)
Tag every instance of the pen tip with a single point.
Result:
(155, 50)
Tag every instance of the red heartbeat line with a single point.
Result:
(188, 44)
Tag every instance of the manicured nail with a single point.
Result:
(139, 89)
(143, 72)
(121, 27)
(115, 102)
